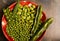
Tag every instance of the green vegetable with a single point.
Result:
(15, 9)
(37, 19)
(44, 27)
(6, 11)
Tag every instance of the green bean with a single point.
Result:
(37, 20)
(16, 8)
(44, 27)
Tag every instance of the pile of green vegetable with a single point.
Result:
(24, 24)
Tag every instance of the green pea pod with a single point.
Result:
(44, 27)
(37, 19)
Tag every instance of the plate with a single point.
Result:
(4, 22)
